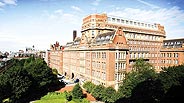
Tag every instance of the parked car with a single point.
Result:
(59, 76)
(76, 80)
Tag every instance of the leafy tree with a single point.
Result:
(98, 91)
(5, 88)
(109, 95)
(77, 92)
(20, 84)
(55, 71)
(172, 79)
(142, 66)
(129, 83)
(89, 86)
(142, 71)
(148, 91)
(26, 80)
(171, 76)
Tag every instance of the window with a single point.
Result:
(131, 22)
(92, 33)
(104, 55)
(116, 66)
(146, 25)
(176, 61)
(113, 19)
(103, 65)
(122, 21)
(92, 25)
(176, 54)
(138, 24)
(109, 19)
(118, 20)
(99, 32)
(126, 21)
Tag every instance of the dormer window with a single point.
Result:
(107, 37)
(118, 20)
(102, 38)
(113, 19)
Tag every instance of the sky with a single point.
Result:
(24, 23)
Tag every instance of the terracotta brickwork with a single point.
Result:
(56, 57)
(109, 46)
(172, 53)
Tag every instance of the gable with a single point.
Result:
(119, 37)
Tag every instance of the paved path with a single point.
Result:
(70, 87)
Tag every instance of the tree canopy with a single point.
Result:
(26, 80)
(143, 85)
(142, 71)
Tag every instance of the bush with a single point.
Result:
(109, 95)
(77, 92)
(89, 86)
(97, 91)
(68, 95)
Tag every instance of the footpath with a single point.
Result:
(88, 96)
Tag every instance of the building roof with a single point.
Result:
(177, 39)
(105, 37)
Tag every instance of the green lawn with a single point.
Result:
(62, 100)
(55, 97)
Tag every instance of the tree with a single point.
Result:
(5, 88)
(148, 91)
(172, 79)
(77, 92)
(142, 71)
(54, 70)
(26, 80)
(109, 95)
(89, 86)
(142, 66)
(171, 76)
(20, 84)
(98, 91)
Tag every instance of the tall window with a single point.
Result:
(92, 33)
(98, 31)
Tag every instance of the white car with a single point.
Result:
(59, 76)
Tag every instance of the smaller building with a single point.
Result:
(172, 52)
(55, 57)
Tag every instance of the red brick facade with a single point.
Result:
(109, 46)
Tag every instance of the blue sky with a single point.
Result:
(24, 23)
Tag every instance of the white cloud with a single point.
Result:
(2, 4)
(148, 4)
(10, 2)
(59, 11)
(96, 2)
(60, 16)
(76, 8)
(172, 18)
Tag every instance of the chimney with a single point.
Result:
(74, 34)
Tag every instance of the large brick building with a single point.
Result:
(108, 47)
(55, 57)
(172, 53)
